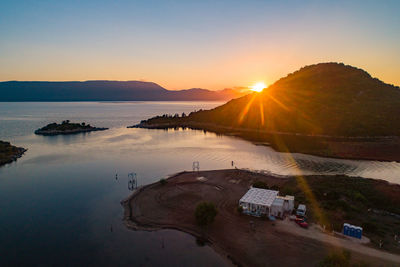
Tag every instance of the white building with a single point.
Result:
(260, 202)
(282, 205)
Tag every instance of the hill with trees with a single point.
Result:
(323, 99)
(328, 109)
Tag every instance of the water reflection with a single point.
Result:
(132, 183)
(59, 201)
(163, 152)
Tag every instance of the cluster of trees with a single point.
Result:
(164, 117)
(65, 125)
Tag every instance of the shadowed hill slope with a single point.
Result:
(323, 99)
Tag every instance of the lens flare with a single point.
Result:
(258, 87)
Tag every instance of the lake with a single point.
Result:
(60, 202)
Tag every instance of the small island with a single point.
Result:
(67, 127)
(9, 153)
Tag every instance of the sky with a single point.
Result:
(195, 44)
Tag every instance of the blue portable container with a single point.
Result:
(352, 231)
(346, 229)
(358, 232)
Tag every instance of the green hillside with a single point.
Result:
(322, 99)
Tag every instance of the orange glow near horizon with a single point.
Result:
(258, 87)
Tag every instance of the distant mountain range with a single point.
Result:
(106, 91)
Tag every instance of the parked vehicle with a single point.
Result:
(301, 210)
(303, 224)
(301, 221)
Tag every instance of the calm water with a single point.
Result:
(59, 203)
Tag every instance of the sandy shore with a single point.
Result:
(172, 206)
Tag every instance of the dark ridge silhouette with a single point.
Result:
(105, 91)
(326, 99)
(323, 99)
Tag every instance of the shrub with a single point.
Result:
(240, 209)
(336, 260)
(274, 187)
(370, 227)
(359, 197)
(260, 184)
(288, 191)
(205, 213)
(163, 181)
(343, 205)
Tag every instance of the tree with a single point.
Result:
(205, 213)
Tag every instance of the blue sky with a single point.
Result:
(184, 44)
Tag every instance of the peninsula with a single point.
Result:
(9, 153)
(67, 127)
(327, 109)
(256, 241)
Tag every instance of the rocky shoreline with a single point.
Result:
(67, 128)
(75, 131)
(10, 153)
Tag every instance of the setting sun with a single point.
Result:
(258, 87)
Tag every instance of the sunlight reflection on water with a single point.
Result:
(62, 195)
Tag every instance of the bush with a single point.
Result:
(260, 184)
(240, 209)
(336, 260)
(274, 187)
(205, 213)
(343, 205)
(288, 191)
(163, 181)
(359, 197)
(370, 227)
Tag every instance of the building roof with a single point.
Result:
(287, 197)
(259, 196)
